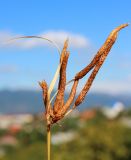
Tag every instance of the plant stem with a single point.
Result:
(48, 142)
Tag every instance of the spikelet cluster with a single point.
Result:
(59, 109)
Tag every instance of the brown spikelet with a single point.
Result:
(64, 50)
(44, 87)
(61, 112)
(88, 84)
(70, 99)
(59, 101)
(105, 48)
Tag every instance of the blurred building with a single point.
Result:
(114, 111)
(8, 140)
(88, 114)
(15, 121)
(63, 137)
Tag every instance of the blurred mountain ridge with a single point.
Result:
(29, 101)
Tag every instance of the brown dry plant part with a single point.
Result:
(44, 87)
(62, 111)
(89, 82)
(59, 101)
(60, 108)
(97, 61)
(103, 50)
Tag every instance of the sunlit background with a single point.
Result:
(100, 128)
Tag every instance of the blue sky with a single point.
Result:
(87, 24)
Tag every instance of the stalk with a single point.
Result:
(48, 142)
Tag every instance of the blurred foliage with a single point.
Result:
(2, 132)
(127, 112)
(66, 125)
(97, 139)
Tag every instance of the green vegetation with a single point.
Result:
(96, 139)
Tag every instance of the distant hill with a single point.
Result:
(31, 101)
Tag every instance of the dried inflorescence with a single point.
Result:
(60, 108)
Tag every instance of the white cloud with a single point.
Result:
(75, 40)
(113, 87)
(5, 35)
